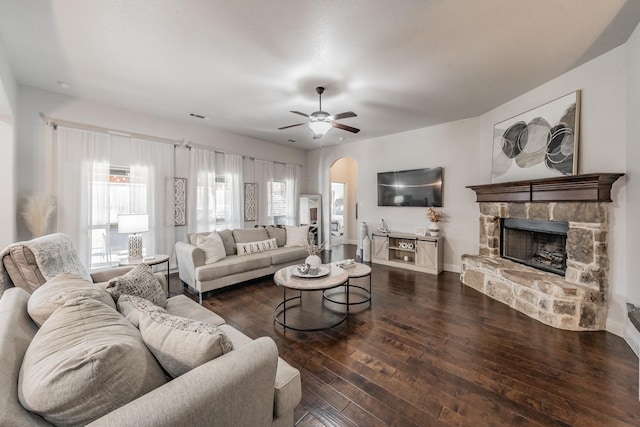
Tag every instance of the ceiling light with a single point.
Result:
(320, 128)
(62, 84)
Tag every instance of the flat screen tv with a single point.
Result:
(417, 187)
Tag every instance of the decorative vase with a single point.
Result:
(434, 229)
(314, 262)
(366, 249)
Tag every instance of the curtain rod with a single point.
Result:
(188, 145)
(176, 143)
(56, 122)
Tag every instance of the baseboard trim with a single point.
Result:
(632, 336)
(453, 268)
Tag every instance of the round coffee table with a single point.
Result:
(286, 278)
(355, 271)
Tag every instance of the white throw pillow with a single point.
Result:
(62, 288)
(296, 236)
(139, 282)
(212, 247)
(256, 247)
(181, 344)
(84, 362)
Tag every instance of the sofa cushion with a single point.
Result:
(212, 247)
(228, 242)
(84, 362)
(296, 236)
(22, 268)
(139, 282)
(55, 292)
(256, 247)
(181, 344)
(279, 233)
(248, 235)
(284, 255)
(181, 305)
(233, 265)
(131, 307)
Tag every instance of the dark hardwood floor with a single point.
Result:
(433, 352)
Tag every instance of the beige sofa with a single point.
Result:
(248, 386)
(234, 269)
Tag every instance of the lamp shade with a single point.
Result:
(133, 223)
(320, 127)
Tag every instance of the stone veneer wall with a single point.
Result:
(575, 302)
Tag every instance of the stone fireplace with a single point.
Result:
(543, 249)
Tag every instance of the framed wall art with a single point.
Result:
(540, 143)
(250, 201)
(179, 201)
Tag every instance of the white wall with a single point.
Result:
(33, 152)
(454, 146)
(464, 150)
(8, 103)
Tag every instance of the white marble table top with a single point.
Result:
(358, 270)
(285, 278)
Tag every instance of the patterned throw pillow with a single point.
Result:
(256, 247)
(212, 247)
(181, 344)
(131, 306)
(139, 282)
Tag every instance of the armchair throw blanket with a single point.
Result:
(30, 264)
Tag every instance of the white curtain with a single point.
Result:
(88, 204)
(202, 191)
(82, 185)
(292, 180)
(264, 175)
(234, 188)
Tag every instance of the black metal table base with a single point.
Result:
(281, 311)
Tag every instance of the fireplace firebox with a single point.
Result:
(536, 243)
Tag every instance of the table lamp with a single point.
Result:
(134, 224)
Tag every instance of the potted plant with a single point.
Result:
(435, 216)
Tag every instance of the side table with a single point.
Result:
(150, 261)
(357, 270)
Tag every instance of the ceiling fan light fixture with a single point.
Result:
(320, 127)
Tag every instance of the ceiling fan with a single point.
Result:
(320, 122)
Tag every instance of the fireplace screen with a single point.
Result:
(539, 244)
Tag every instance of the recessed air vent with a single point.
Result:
(197, 116)
(291, 140)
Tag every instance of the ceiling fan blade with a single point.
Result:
(344, 115)
(345, 127)
(298, 112)
(290, 126)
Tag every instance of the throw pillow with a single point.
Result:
(279, 233)
(296, 236)
(84, 362)
(131, 306)
(227, 240)
(63, 287)
(212, 247)
(139, 282)
(256, 247)
(181, 344)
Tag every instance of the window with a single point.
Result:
(122, 193)
(277, 202)
(213, 195)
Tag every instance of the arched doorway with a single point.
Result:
(343, 198)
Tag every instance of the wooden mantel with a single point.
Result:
(594, 187)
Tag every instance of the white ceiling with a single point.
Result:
(399, 64)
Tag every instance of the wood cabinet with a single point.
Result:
(418, 253)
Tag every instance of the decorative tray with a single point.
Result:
(322, 271)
